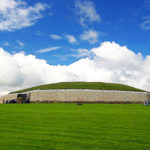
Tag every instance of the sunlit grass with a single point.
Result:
(73, 127)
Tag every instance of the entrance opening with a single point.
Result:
(22, 98)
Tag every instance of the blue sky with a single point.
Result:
(119, 21)
(47, 41)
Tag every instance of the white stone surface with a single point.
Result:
(73, 95)
(88, 96)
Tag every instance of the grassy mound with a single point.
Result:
(72, 127)
(83, 85)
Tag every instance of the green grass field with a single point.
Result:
(83, 85)
(73, 127)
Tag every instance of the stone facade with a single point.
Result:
(72, 95)
(88, 96)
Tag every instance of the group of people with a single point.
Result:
(9, 101)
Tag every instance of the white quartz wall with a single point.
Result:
(88, 96)
(83, 95)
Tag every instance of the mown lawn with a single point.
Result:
(73, 127)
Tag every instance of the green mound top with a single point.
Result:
(83, 85)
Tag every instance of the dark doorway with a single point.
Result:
(22, 98)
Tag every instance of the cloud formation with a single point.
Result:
(91, 36)
(71, 39)
(146, 24)
(109, 62)
(17, 14)
(6, 43)
(55, 37)
(49, 49)
(87, 12)
(21, 44)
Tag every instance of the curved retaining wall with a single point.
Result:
(84, 96)
(88, 96)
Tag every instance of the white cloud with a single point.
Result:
(78, 53)
(6, 43)
(83, 53)
(110, 63)
(55, 37)
(71, 39)
(21, 44)
(48, 49)
(87, 12)
(91, 36)
(17, 14)
(145, 25)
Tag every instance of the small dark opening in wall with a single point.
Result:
(22, 98)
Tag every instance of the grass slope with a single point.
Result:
(83, 85)
(72, 127)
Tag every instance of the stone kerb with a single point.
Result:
(73, 95)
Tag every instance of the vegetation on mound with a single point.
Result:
(83, 85)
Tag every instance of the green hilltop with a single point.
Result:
(83, 85)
